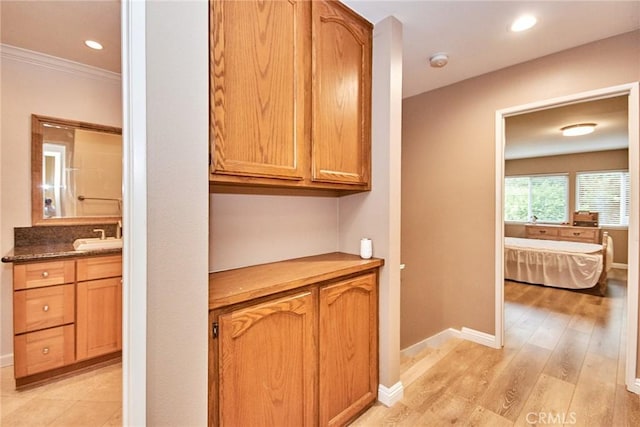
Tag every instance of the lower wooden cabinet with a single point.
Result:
(303, 358)
(268, 363)
(348, 349)
(99, 317)
(67, 314)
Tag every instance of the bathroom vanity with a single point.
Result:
(67, 309)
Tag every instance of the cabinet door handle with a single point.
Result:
(45, 274)
(45, 350)
(45, 308)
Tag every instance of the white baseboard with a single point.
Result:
(619, 265)
(389, 396)
(635, 387)
(433, 341)
(441, 337)
(6, 360)
(479, 337)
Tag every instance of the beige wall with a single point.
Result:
(29, 88)
(448, 175)
(570, 164)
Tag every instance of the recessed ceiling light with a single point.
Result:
(523, 23)
(578, 129)
(93, 44)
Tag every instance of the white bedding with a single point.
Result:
(561, 264)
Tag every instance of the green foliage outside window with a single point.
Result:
(544, 197)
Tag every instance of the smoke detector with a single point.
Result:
(439, 60)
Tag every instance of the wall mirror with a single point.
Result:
(76, 172)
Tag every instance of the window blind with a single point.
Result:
(606, 193)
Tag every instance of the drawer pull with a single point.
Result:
(542, 231)
(45, 274)
(45, 350)
(576, 233)
(45, 308)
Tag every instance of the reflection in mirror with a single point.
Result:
(76, 172)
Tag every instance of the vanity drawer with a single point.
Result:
(41, 308)
(580, 235)
(99, 267)
(43, 350)
(38, 274)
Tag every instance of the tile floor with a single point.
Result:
(91, 398)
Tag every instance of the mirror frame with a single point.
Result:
(37, 217)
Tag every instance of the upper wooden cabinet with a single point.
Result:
(258, 78)
(341, 93)
(290, 97)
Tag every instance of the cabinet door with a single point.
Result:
(259, 75)
(98, 317)
(267, 364)
(341, 74)
(348, 348)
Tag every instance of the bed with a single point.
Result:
(559, 263)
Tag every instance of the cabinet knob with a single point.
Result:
(45, 350)
(45, 307)
(45, 274)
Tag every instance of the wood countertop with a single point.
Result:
(247, 283)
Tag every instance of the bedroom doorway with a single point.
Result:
(627, 93)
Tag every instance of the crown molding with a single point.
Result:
(38, 59)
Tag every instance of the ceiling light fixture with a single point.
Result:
(578, 129)
(523, 23)
(439, 60)
(93, 44)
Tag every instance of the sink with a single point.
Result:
(96, 243)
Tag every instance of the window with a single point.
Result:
(544, 196)
(606, 193)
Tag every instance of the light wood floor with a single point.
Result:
(90, 398)
(563, 357)
(562, 363)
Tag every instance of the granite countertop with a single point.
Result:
(35, 243)
(51, 251)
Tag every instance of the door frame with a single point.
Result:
(631, 90)
(134, 214)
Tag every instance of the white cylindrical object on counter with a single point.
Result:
(366, 248)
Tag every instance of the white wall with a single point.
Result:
(377, 214)
(177, 202)
(254, 229)
(35, 84)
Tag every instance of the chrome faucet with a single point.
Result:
(101, 231)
